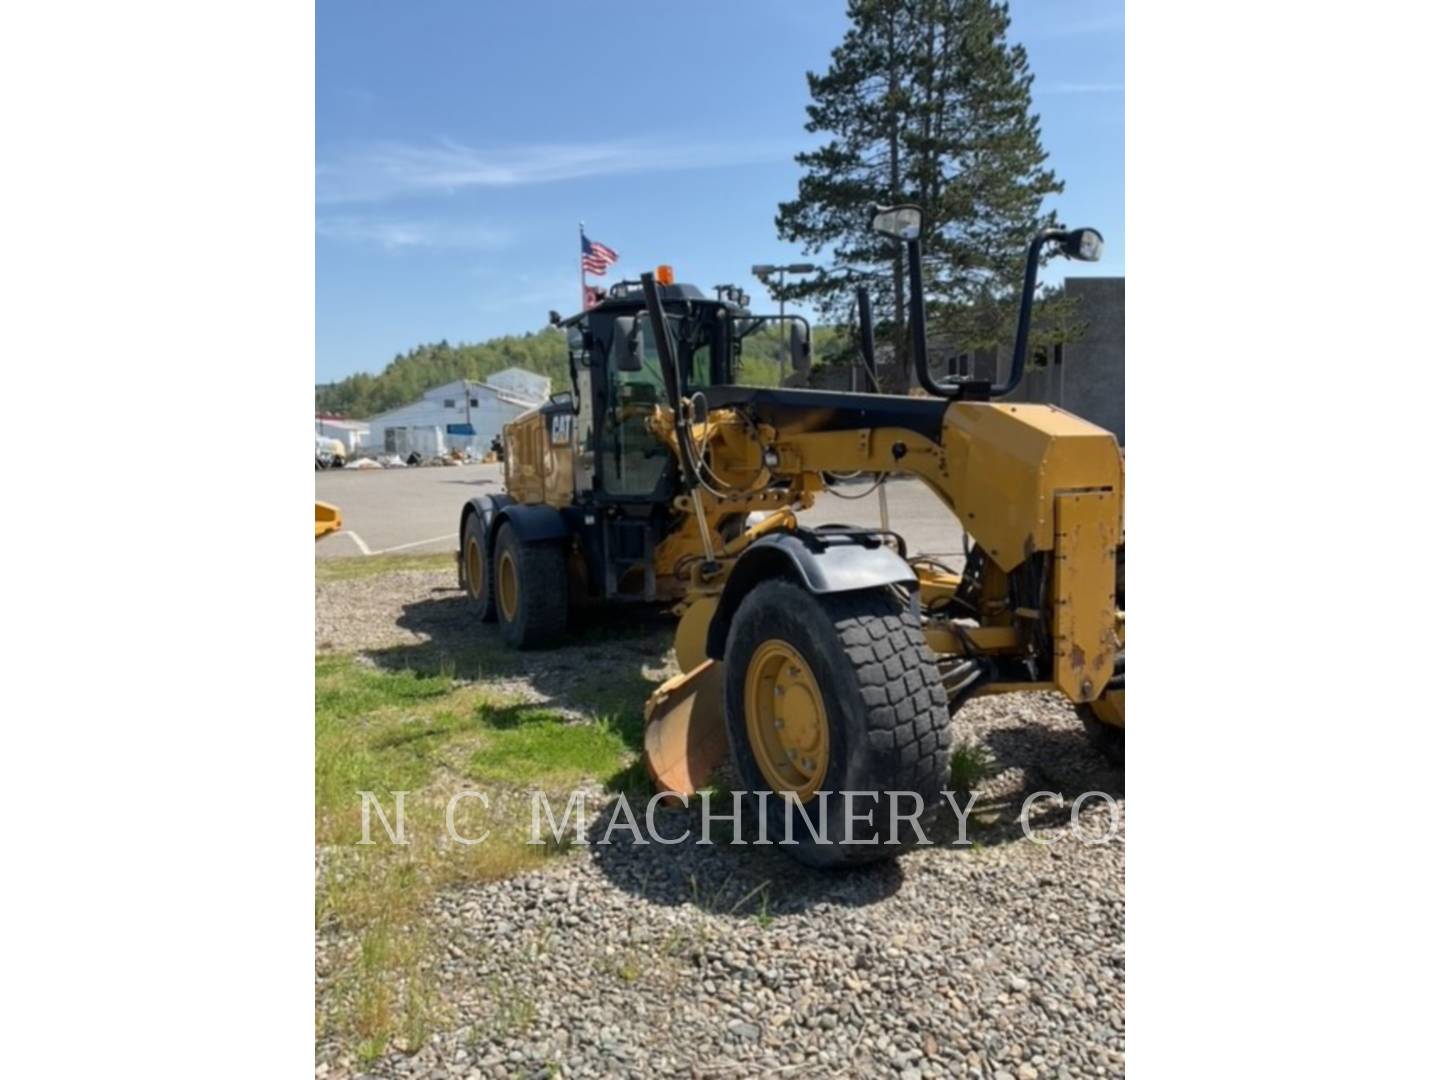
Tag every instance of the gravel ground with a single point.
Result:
(1001, 959)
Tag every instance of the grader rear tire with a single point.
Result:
(531, 590)
(479, 569)
(835, 693)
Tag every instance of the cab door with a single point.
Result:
(632, 463)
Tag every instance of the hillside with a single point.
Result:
(406, 377)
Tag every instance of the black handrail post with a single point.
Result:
(670, 372)
(1022, 325)
(867, 337)
(918, 343)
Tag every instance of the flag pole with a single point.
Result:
(584, 292)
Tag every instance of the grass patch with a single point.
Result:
(351, 567)
(970, 765)
(532, 745)
(364, 727)
(429, 736)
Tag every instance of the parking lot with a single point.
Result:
(417, 510)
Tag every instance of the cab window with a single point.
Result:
(632, 459)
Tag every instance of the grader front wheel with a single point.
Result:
(831, 694)
(786, 725)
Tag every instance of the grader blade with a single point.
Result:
(685, 737)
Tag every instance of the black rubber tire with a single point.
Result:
(542, 608)
(888, 714)
(481, 592)
(1106, 738)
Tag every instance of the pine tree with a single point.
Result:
(924, 102)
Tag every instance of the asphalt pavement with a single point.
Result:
(417, 510)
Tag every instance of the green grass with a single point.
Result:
(362, 719)
(970, 765)
(429, 735)
(537, 746)
(359, 566)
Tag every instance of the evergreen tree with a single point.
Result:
(926, 103)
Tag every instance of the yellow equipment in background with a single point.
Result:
(825, 659)
(327, 519)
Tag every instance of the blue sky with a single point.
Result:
(459, 143)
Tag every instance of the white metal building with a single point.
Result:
(459, 415)
(353, 433)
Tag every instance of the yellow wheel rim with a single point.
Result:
(785, 719)
(472, 569)
(508, 580)
(1109, 708)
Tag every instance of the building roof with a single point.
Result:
(513, 399)
(459, 387)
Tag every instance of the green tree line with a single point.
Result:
(424, 367)
(409, 375)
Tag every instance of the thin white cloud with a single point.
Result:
(397, 235)
(1057, 25)
(392, 169)
(1081, 88)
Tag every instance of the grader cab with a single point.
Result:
(826, 659)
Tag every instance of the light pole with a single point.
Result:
(763, 272)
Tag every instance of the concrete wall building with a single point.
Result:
(1087, 377)
(466, 415)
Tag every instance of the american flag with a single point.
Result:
(594, 256)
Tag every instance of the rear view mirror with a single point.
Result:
(627, 345)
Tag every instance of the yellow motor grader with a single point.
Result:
(826, 659)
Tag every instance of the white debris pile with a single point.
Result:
(395, 461)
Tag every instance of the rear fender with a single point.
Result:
(538, 522)
(822, 563)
